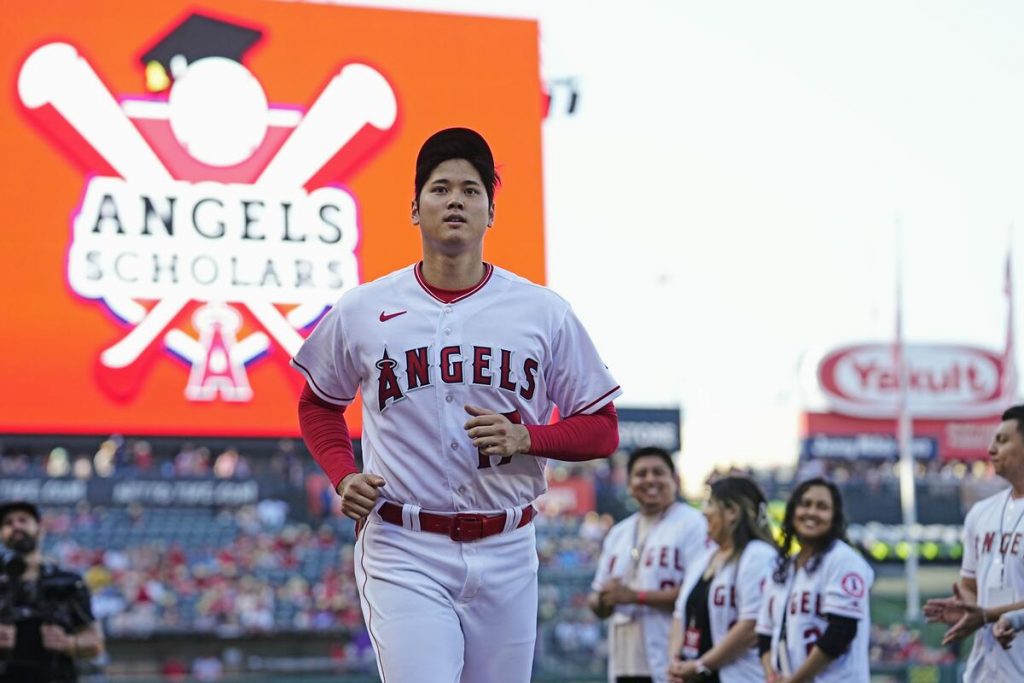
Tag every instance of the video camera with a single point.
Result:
(51, 599)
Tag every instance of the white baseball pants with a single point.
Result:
(441, 611)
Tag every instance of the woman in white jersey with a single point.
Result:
(815, 619)
(712, 638)
(642, 565)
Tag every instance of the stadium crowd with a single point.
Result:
(269, 568)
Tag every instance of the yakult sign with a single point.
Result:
(943, 381)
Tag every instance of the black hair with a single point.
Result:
(747, 497)
(837, 532)
(20, 505)
(647, 452)
(457, 143)
(1015, 413)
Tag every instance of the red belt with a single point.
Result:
(460, 527)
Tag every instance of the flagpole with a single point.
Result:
(1009, 388)
(905, 435)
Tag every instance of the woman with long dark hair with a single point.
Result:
(712, 638)
(815, 619)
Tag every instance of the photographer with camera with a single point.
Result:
(46, 620)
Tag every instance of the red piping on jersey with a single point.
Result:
(578, 437)
(587, 407)
(451, 296)
(311, 381)
(369, 607)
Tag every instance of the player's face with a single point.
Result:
(19, 531)
(721, 520)
(1007, 450)
(453, 210)
(812, 518)
(652, 483)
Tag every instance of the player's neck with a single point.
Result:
(453, 273)
(653, 513)
(807, 551)
(1017, 489)
(33, 561)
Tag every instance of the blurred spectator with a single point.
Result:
(82, 469)
(57, 464)
(207, 669)
(174, 670)
(231, 465)
(142, 456)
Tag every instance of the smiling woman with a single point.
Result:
(814, 623)
(643, 562)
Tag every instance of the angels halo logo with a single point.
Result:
(206, 206)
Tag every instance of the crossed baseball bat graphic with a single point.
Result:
(56, 75)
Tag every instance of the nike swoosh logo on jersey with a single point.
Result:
(384, 317)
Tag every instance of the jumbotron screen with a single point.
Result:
(188, 187)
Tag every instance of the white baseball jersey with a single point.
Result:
(994, 557)
(677, 541)
(507, 345)
(735, 594)
(840, 585)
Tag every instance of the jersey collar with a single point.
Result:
(447, 296)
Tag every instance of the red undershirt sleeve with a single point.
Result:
(326, 435)
(577, 437)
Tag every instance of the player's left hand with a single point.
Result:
(1004, 632)
(617, 593)
(495, 434)
(973, 618)
(55, 638)
(682, 671)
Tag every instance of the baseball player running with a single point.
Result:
(992, 570)
(815, 623)
(460, 365)
(643, 561)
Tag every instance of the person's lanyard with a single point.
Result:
(782, 662)
(636, 552)
(1002, 553)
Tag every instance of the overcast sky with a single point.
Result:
(721, 208)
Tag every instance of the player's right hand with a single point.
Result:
(7, 636)
(675, 670)
(359, 492)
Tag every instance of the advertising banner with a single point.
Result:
(192, 492)
(944, 381)
(189, 186)
(639, 427)
(834, 436)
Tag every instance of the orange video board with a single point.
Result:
(187, 188)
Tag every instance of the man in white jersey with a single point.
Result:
(460, 365)
(643, 561)
(992, 571)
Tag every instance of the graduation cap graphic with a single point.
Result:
(196, 38)
(216, 107)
